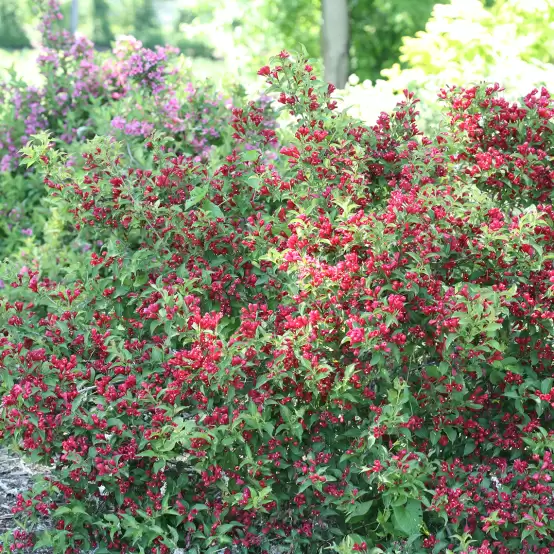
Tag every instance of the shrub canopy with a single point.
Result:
(238, 338)
(348, 347)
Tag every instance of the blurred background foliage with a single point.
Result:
(423, 45)
(465, 42)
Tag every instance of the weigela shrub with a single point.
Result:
(349, 351)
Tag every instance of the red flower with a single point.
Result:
(290, 151)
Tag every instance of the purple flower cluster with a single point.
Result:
(71, 78)
(134, 127)
(132, 65)
(192, 115)
(22, 114)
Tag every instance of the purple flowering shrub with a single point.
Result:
(129, 94)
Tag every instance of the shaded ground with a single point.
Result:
(15, 477)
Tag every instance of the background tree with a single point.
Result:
(377, 30)
(12, 33)
(146, 24)
(102, 32)
(336, 39)
(465, 41)
(74, 15)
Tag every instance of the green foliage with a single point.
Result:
(102, 34)
(376, 28)
(22, 215)
(84, 93)
(193, 48)
(377, 31)
(12, 33)
(346, 347)
(466, 41)
(146, 26)
(246, 31)
(296, 22)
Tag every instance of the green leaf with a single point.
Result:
(222, 529)
(250, 155)
(44, 541)
(149, 454)
(158, 466)
(359, 509)
(213, 209)
(196, 196)
(450, 433)
(141, 280)
(449, 340)
(408, 518)
(112, 518)
(79, 510)
(62, 510)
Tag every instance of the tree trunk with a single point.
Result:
(336, 38)
(74, 15)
